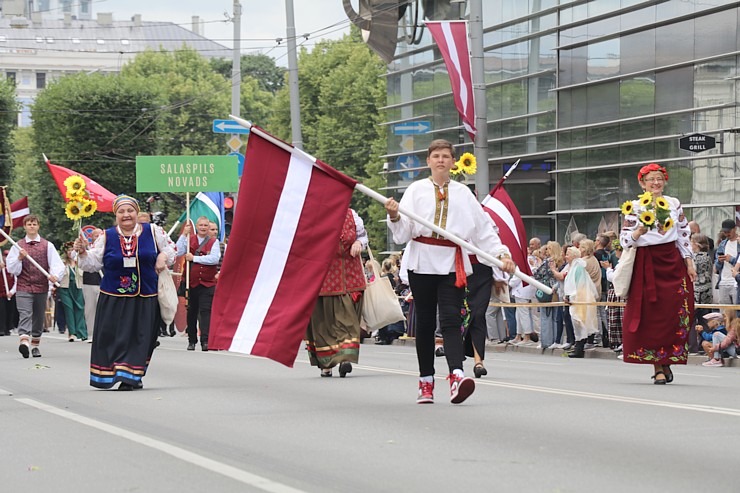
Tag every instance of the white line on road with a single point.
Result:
(177, 452)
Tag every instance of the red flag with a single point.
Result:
(286, 226)
(103, 197)
(452, 40)
(511, 229)
(6, 221)
(19, 210)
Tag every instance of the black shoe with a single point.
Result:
(480, 370)
(344, 368)
(439, 352)
(659, 381)
(191, 347)
(172, 331)
(24, 350)
(668, 373)
(326, 372)
(578, 350)
(138, 385)
(126, 387)
(35, 353)
(204, 346)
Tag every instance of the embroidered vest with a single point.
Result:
(31, 279)
(200, 273)
(140, 280)
(345, 273)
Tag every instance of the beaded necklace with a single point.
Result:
(128, 243)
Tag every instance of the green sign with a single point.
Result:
(187, 174)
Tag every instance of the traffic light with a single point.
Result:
(229, 203)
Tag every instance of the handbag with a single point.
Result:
(167, 297)
(543, 297)
(623, 272)
(380, 306)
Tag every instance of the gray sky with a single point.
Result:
(263, 21)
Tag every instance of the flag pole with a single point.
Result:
(174, 226)
(187, 247)
(30, 259)
(503, 178)
(411, 215)
(5, 281)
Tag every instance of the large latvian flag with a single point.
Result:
(286, 227)
(452, 40)
(511, 229)
(103, 197)
(6, 219)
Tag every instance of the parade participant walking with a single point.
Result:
(660, 304)
(127, 317)
(437, 268)
(8, 310)
(33, 285)
(91, 291)
(70, 294)
(333, 334)
(203, 254)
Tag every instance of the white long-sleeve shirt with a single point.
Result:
(15, 264)
(460, 214)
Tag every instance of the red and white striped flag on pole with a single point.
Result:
(286, 227)
(19, 210)
(511, 229)
(452, 39)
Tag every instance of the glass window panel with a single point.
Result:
(675, 42)
(514, 99)
(671, 125)
(603, 102)
(603, 59)
(637, 51)
(721, 22)
(644, 151)
(603, 186)
(565, 113)
(637, 130)
(637, 18)
(671, 10)
(712, 83)
(529, 197)
(636, 96)
(603, 135)
(548, 54)
(578, 109)
(601, 156)
(674, 89)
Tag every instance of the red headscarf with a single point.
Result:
(652, 167)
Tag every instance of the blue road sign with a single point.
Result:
(412, 128)
(406, 162)
(240, 158)
(228, 127)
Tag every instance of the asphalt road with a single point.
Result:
(222, 422)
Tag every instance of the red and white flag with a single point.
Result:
(103, 197)
(19, 209)
(452, 39)
(286, 227)
(511, 229)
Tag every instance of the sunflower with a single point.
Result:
(668, 224)
(75, 185)
(77, 195)
(73, 210)
(645, 199)
(456, 169)
(467, 164)
(627, 207)
(647, 218)
(661, 202)
(88, 207)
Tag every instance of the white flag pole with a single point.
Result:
(187, 248)
(5, 281)
(411, 215)
(30, 259)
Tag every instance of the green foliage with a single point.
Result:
(24, 179)
(8, 112)
(257, 66)
(341, 88)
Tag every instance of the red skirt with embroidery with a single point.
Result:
(660, 308)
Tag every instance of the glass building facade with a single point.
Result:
(584, 93)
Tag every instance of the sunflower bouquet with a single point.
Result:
(79, 204)
(652, 212)
(465, 165)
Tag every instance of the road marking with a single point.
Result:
(176, 452)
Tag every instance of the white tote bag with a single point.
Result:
(623, 272)
(380, 306)
(167, 297)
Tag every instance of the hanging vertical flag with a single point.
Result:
(19, 209)
(452, 39)
(286, 226)
(6, 220)
(210, 205)
(103, 197)
(511, 229)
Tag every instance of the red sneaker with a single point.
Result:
(460, 388)
(426, 393)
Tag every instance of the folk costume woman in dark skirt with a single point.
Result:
(660, 304)
(127, 318)
(333, 334)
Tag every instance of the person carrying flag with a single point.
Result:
(437, 268)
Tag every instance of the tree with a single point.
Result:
(257, 66)
(8, 112)
(341, 88)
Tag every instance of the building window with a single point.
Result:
(101, 41)
(85, 6)
(76, 41)
(10, 76)
(40, 80)
(125, 42)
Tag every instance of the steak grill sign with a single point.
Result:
(697, 143)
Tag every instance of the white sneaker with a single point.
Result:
(566, 346)
(589, 346)
(554, 345)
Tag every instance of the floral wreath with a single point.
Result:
(652, 167)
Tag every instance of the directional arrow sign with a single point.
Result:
(228, 127)
(412, 128)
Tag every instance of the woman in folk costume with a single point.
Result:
(70, 294)
(127, 318)
(660, 304)
(579, 287)
(333, 334)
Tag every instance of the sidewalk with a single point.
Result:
(598, 352)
